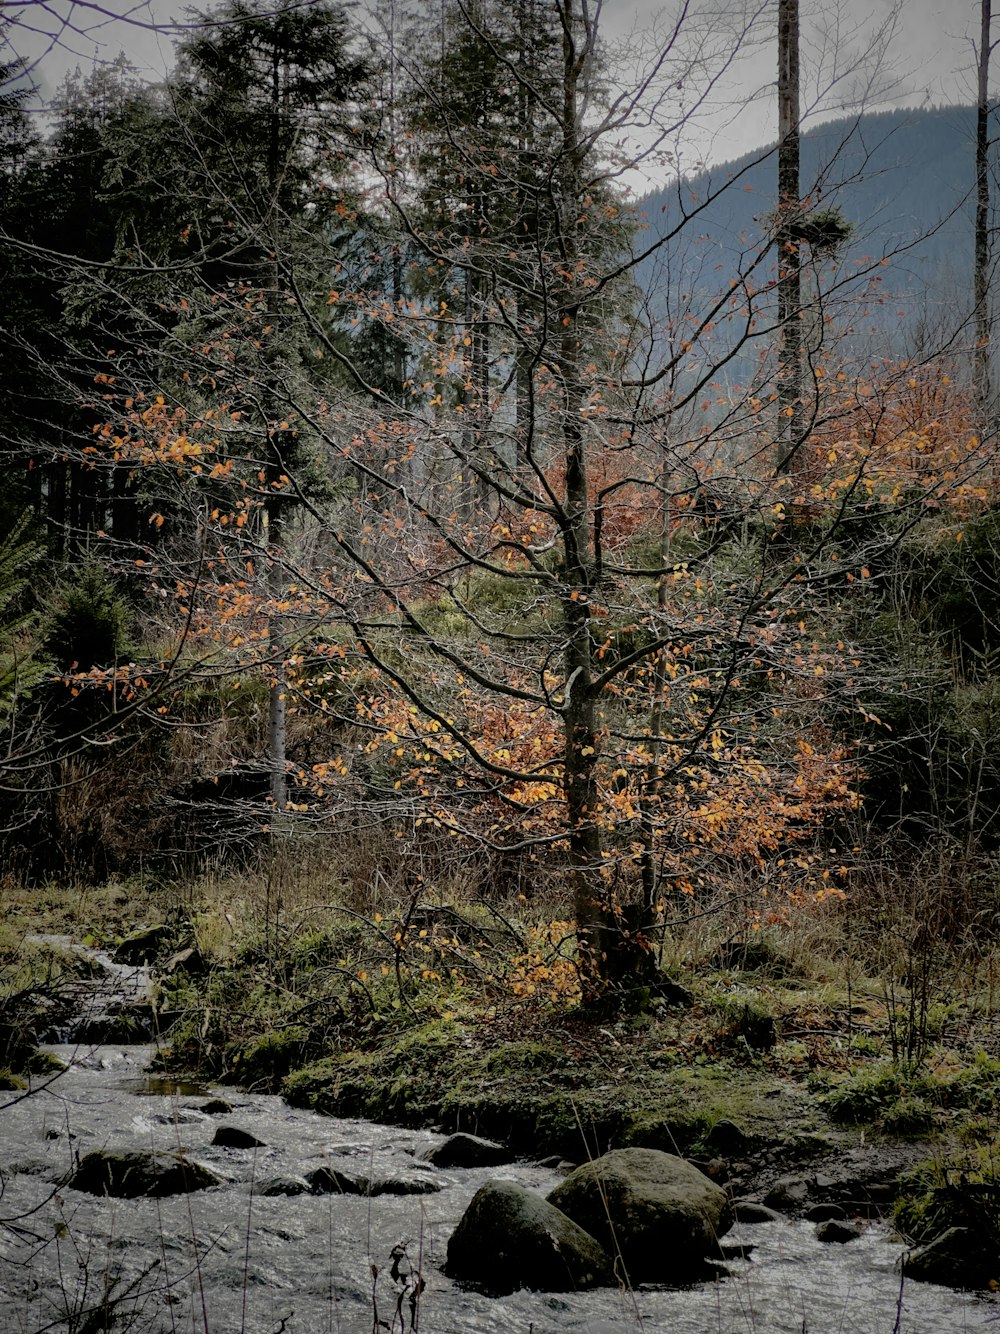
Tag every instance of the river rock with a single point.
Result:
(282, 1186)
(331, 1181)
(511, 1238)
(132, 1175)
(128, 1022)
(788, 1194)
(190, 960)
(462, 1150)
(838, 1229)
(232, 1137)
(959, 1257)
(726, 1138)
(142, 946)
(822, 1213)
(661, 1214)
(216, 1107)
(751, 1211)
(411, 1183)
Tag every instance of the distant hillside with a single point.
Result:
(903, 179)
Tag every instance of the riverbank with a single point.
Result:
(261, 1251)
(767, 1060)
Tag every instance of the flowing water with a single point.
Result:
(233, 1260)
(229, 1259)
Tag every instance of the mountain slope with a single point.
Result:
(903, 179)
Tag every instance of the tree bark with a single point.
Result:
(981, 281)
(787, 241)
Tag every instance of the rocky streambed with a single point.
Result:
(133, 1201)
(278, 1239)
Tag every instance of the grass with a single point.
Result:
(363, 993)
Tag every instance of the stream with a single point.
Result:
(234, 1260)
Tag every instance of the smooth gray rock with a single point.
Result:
(232, 1137)
(331, 1181)
(409, 1184)
(282, 1186)
(660, 1214)
(462, 1150)
(132, 1175)
(751, 1211)
(838, 1229)
(788, 1194)
(958, 1257)
(511, 1238)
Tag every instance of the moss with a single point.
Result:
(512, 1058)
(744, 1017)
(262, 1062)
(959, 1192)
(11, 1083)
(44, 1063)
(677, 1132)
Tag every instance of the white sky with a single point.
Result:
(929, 57)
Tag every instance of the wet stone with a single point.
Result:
(282, 1186)
(839, 1230)
(141, 946)
(788, 1194)
(462, 1150)
(511, 1238)
(331, 1181)
(959, 1257)
(822, 1213)
(751, 1211)
(215, 1107)
(232, 1137)
(132, 1175)
(405, 1185)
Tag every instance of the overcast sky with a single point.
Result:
(928, 57)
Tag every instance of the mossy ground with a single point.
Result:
(464, 1014)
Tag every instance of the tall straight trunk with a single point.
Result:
(525, 220)
(787, 239)
(981, 279)
(277, 713)
(649, 801)
(579, 709)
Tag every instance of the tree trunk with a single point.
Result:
(981, 280)
(787, 239)
(579, 730)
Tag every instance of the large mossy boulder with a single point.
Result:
(654, 1211)
(134, 1175)
(511, 1238)
(959, 1257)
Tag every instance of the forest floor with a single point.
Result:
(784, 1058)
